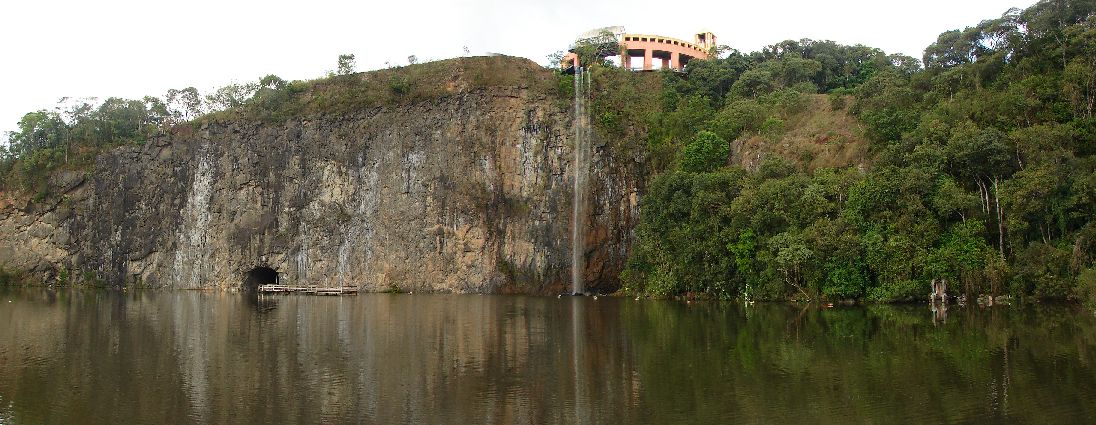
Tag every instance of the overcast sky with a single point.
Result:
(131, 48)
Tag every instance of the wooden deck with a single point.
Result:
(310, 290)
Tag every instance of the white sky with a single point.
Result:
(131, 48)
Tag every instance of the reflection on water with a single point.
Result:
(201, 357)
(939, 311)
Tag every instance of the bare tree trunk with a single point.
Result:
(983, 195)
(1058, 36)
(1078, 254)
(1091, 101)
(1000, 224)
(792, 281)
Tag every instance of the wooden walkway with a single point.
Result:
(310, 290)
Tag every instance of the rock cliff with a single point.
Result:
(466, 191)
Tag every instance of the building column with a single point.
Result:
(675, 60)
(627, 61)
(569, 57)
(665, 63)
(647, 59)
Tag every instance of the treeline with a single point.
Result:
(76, 130)
(72, 133)
(983, 170)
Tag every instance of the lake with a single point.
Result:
(154, 357)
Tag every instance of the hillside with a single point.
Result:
(977, 169)
(824, 134)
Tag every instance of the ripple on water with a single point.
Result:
(32, 359)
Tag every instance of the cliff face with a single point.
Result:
(466, 192)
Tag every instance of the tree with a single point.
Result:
(183, 105)
(158, 115)
(1045, 23)
(230, 96)
(1079, 77)
(753, 83)
(950, 49)
(705, 153)
(38, 130)
(905, 65)
(711, 78)
(121, 120)
(887, 103)
(346, 64)
(594, 49)
(792, 255)
(738, 117)
(79, 113)
(792, 71)
(271, 93)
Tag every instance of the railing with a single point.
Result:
(312, 290)
(644, 38)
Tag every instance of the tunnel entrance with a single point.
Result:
(260, 276)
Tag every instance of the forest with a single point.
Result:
(981, 170)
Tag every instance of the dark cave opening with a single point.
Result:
(260, 276)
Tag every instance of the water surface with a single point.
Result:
(211, 357)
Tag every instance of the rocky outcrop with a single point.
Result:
(467, 192)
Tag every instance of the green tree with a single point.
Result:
(345, 65)
(753, 83)
(158, 114)
(737, 118)
(705, 153)
(230, 96)
(792, 256)
(121, 120)
(38, 130)
(183, 104)
(593, 50)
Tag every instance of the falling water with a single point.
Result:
(582, 166)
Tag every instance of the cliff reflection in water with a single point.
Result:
(201, 357)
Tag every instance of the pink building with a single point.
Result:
(673, 53)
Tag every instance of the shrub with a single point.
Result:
(1086, 287)
(844, 281)
(8, 277)
(705, 153)
(902, 290)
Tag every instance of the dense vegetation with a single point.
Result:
(982, 170)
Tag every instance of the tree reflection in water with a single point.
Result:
(210, 357)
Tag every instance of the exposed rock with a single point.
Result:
(469, 192)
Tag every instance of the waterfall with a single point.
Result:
(582, 169)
